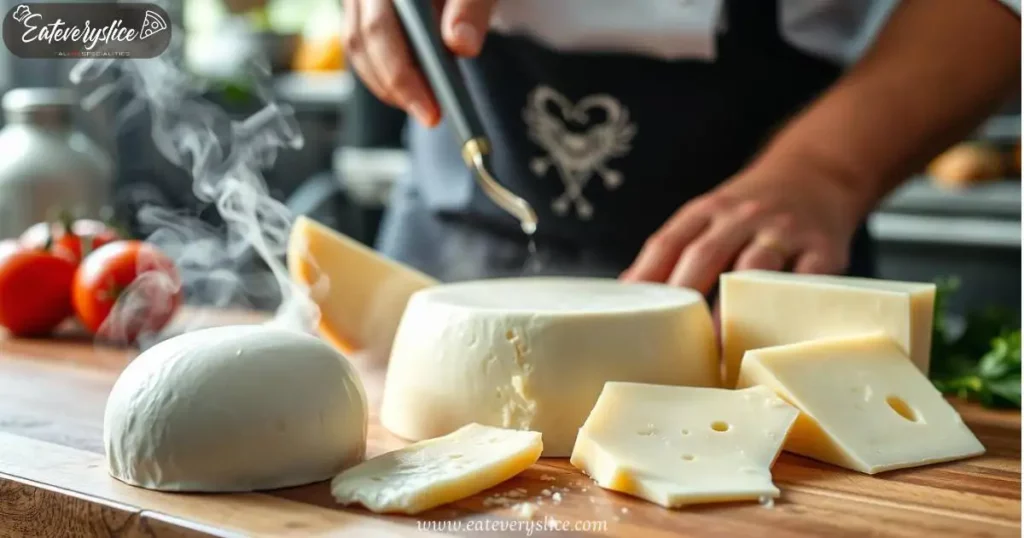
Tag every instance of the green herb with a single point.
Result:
(982, 363)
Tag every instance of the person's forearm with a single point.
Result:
(938, 68)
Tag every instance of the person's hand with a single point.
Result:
(761, 219)
(379, 53)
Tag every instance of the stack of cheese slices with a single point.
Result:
(627, 379)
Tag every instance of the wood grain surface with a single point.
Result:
(53, 481)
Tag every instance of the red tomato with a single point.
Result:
(124, 289)
(86, 236)
(35, 290)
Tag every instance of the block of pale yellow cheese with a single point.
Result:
(768, 308)
(863, 404)
(676, 446)
(430, 473)
(361, 294)
(534, 353)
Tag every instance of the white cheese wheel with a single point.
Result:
(236, 408)
(534, 353)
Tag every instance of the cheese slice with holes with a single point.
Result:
(676, 446)
(768, 308)
(864, 405)
(430, 473)
(534, 353)
(361, 294)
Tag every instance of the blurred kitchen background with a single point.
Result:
(960, 218)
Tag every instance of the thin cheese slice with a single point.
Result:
(430, 473)
(676, 446)
(361, 294)
(864, 404)
(767, 308)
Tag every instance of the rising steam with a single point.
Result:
(225, 159)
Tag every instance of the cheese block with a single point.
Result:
(235, 408)
(361, 294)
(534, 353)
(676, 446)
(438, 471)
(864, 405)
(767, 308)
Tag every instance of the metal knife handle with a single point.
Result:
(423, 27)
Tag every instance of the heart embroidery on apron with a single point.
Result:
(577, 155)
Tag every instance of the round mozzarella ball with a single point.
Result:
(236, 408)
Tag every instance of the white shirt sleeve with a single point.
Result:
(839, 30)
(1013, 5)
(667, 29)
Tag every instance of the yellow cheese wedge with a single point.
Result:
(767, 308)
(676, 446)
(430, 473)
(864, 405)
(361, 294)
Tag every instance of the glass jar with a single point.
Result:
(46, 164)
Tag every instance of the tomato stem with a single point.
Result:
(49, 238)
(66, 221)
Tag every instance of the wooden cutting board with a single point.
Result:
(53, 481)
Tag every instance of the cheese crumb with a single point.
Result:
(526, 510)
(557, 497)
(547, 478)
(766, 502)
(545, 492)
(625, 510)
(498, 500)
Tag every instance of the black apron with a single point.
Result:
(606, 147)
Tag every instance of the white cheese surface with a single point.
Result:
(769, 308)
(552, 295)
(534, 353)
(676, 446)
(430, 473)
(235, 408)
(864, 405)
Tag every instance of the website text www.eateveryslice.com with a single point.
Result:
(526, 527)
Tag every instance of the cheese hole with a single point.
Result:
(688, 457)
(720, 426)
(685, 432)
(510, 335)
(902, 408)
(454, 456)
